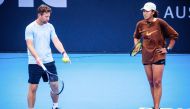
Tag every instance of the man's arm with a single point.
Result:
(30, 46)
(59, 46)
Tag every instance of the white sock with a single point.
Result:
(55, 105)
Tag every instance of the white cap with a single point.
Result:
(149, 6)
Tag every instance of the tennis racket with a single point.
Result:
(136, 49)
(57, 86)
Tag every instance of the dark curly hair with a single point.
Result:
(44, 9)
(155, 14)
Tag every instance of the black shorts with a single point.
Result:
(36, 72)
(159, 62)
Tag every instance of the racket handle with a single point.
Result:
(43, 67)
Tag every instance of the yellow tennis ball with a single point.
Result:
(65, 60)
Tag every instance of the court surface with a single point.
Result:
(97, 81)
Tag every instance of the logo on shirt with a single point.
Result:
(150, 33)
(147, 33)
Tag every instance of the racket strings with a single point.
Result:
(55, 88)
(56, 83)
(136, 49)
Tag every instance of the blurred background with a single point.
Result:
(90, 26)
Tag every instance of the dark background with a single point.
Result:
(92, 26)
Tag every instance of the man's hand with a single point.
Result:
(39, 61)
(65, 56)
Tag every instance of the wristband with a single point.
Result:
(168, 49)
(63, 52)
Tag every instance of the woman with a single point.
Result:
(154, 32)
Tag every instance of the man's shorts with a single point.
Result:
(36, 72)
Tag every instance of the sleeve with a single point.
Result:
(28, 33)
(137, 33)
(53, 33)
(168, 31)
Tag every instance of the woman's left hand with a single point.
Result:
(161, 50)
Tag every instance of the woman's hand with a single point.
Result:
(161, 50)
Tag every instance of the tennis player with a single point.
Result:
(154, 32)
(38, 35)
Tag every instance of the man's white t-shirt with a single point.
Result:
(41, 35)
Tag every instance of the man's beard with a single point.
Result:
(44, 22)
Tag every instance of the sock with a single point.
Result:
(55, 105)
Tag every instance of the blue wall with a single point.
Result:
(92, 26)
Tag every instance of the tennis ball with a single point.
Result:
(65, 60)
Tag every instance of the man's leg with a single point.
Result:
(32, 95)
(54, 87)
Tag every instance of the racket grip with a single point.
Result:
(43, 67)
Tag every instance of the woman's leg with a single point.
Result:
(149, 73)
(157, 83)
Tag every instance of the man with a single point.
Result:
(38, 35)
